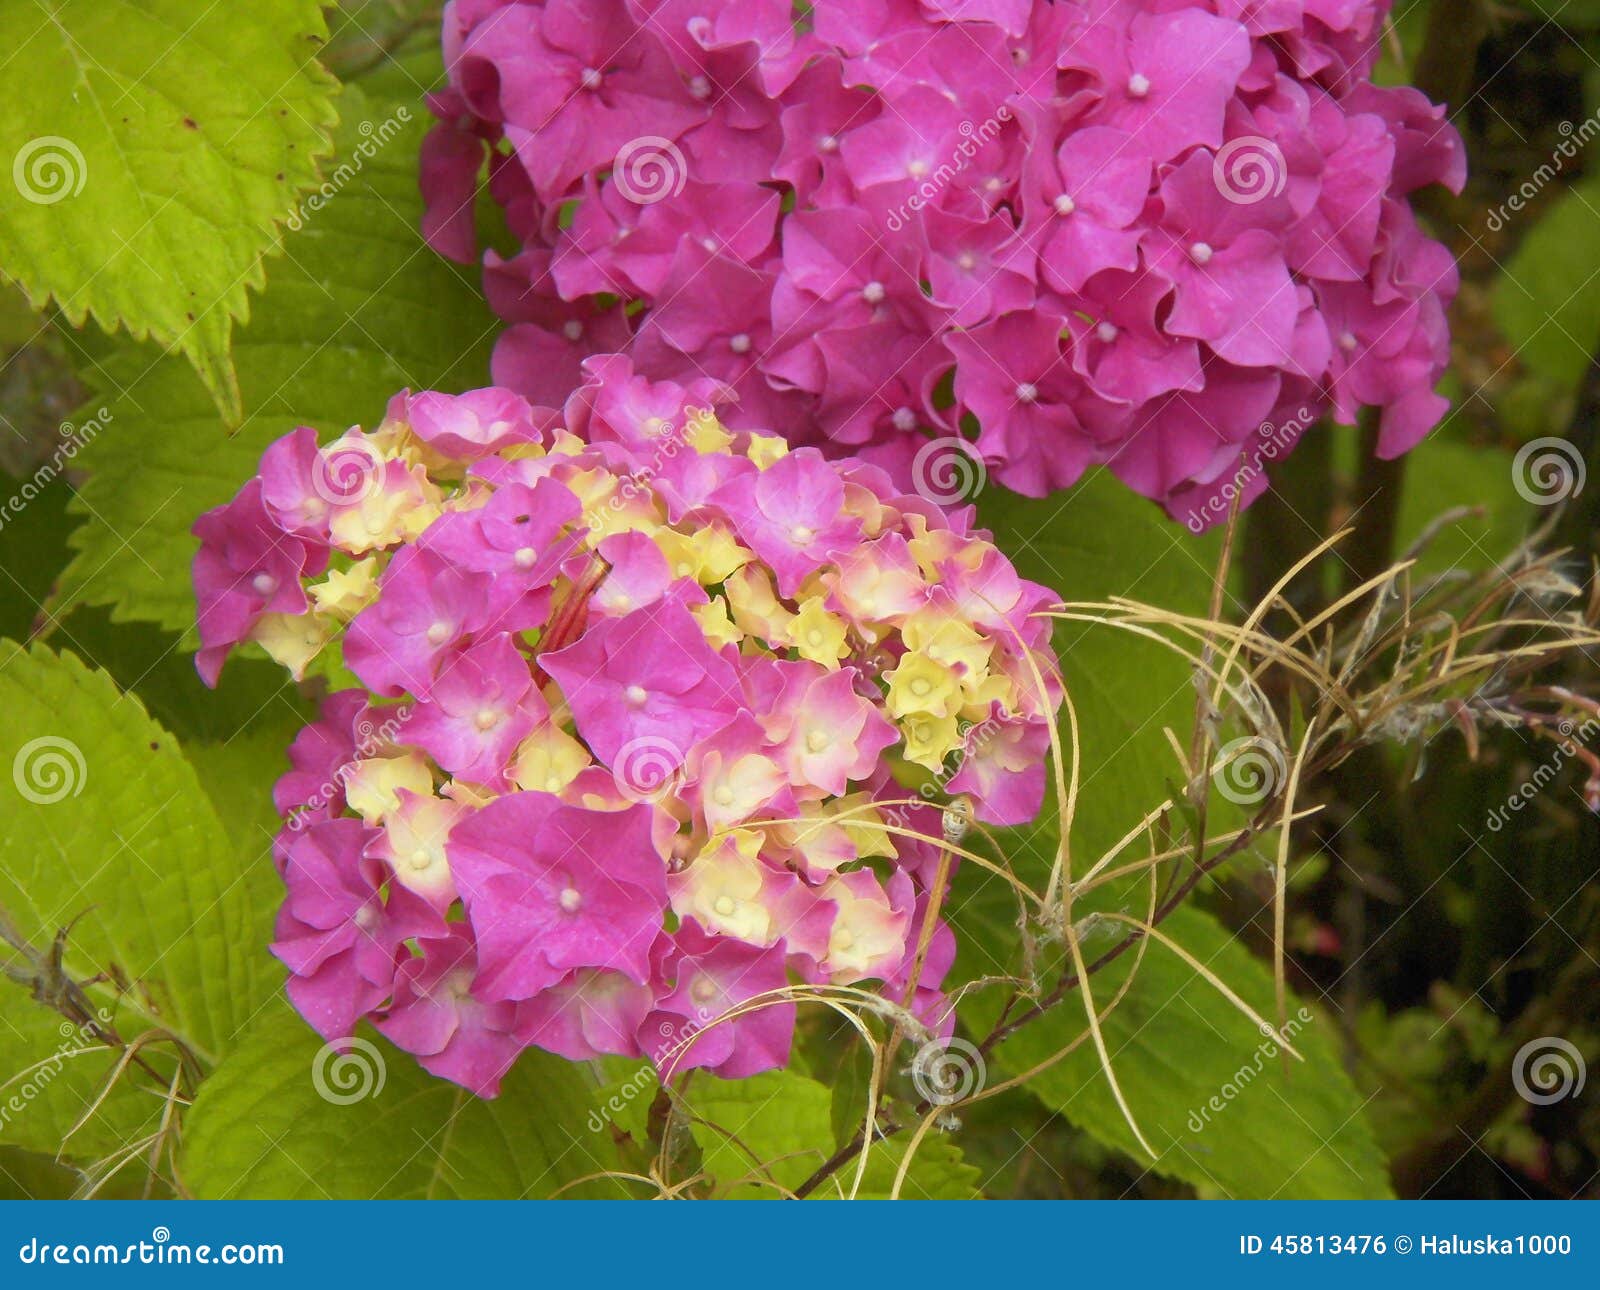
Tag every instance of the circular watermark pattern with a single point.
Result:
(347, 1071)
(648, 768)
(1547, 471)
(948, 470)
(1548, 1069)
(160, 1235)
(49, 769)
(649, 169)
(348, 472)
(1249, 770)
(1249, 169)
(49, 169)
(947, 1071)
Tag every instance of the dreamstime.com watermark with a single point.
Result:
(371, 739)
(49, 169)
(1272, 440)
(1574, 139)
(23, 1090)
(1246, 1075)
(1573, 739)
(74, 439)
(160, 1250)
(1548, 1069)
(933, 182)
(674, 1039)
(373, 139)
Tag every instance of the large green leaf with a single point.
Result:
(262, 1126)
(763, 1136)
(1222, 1108)
(1092, 542)
(155, 147)
(357, 309)
(110, 831)
(1545, 302)
(108, 825)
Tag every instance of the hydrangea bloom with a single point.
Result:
(1158, 235)
(638, 698)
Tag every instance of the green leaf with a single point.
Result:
(1212, 1095)
(1545, 302)
(261, 1129)
(25, 1175)
(764, 1136)
(1092, 542)
(760, 1134)
(357, 309)
(108, 825)
(155, 147)
(51, 1072)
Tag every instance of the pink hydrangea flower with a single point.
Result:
(655, 731)
(1122, 224)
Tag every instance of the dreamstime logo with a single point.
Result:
(1573, 140)
(1272, 439)
(347, 472)
(947, 1071)
(48, 769)
(1249, 770)
(1248, 170)
(371, 738)
(931, 182)
(948, 470)
(347, 1071)
(75, 1038)
(1548, 1069)
(648, 768)
(649, 169)
(74, 439)
(373, 137)
(48, 169)
(1548, 470)
(1570, 743)
(1247, 1074)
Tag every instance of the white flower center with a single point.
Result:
(1027, 391)
(1201, 252)
(1138, 85)
(571, 899)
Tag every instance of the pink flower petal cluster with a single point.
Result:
(646, 723)
(1165, 237)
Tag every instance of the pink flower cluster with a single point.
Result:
(633, 703)
(1165, 237)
